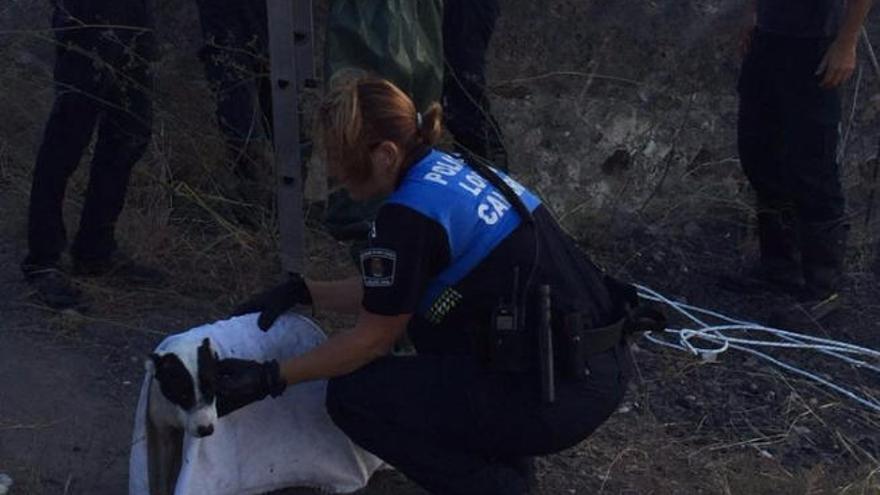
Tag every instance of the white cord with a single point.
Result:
(708, 341)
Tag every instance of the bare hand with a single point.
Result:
(747, 29)
(745, 40)
(838, 64)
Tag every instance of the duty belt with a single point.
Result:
(580, 341)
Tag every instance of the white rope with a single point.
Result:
(708, 341)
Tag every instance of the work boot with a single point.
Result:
(777, 238)
(52, 286)
(823, 247)
(778, 268)
(120, 266)
(809, 311)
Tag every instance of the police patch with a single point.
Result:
(377, 267)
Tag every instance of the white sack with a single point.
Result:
(272, 444)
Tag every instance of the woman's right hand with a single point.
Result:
(747, 30)
(275, 301)
(745, 40)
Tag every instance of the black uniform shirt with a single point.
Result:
(800, 18)
(407, 250)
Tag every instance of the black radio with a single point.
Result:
(509, 337)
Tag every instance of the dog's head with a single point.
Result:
(187, 377)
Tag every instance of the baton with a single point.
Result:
(545, 347)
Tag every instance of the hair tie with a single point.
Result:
(419, 121)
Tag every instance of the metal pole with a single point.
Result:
(290, 41)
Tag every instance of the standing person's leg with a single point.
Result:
(257, 33)
(124, 133)
(467, 30)
(255, 162)
(68, 131)
(455, 429)
(821, 208)
(760, 146)
(812, 134)
(230, 49)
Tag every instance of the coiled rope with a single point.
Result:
(708, 341)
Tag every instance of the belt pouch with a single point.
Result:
(571, 349)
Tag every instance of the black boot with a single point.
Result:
(777, 268)
(777, 237)
(823, 247)
(52, 286)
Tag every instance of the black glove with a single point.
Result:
(242, 381)
(275, 301)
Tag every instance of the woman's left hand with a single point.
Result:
(241, 382)
(274, 302)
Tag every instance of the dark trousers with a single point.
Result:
(467, 30)
(102, 80)
(787, 139)
(236, 60)
(454, 428)
(788, 127)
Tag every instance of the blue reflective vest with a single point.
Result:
(475, 215)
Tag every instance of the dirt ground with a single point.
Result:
(622, 120)
(68, 386)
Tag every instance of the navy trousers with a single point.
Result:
(788, 128)
(236, 61)
(103, 82)
(788, 131)
(455, 428)
(467, 30)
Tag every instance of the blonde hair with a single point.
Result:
(360, 111)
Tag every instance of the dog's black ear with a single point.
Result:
(207, 360)
(207, 371)
(205, 351)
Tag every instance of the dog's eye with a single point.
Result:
(177, 386)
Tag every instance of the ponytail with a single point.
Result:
(431, 129)
(361, 111)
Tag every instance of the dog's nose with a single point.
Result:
(204, 431)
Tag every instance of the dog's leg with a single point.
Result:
(164, 447)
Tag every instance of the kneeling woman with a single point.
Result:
(455, 258)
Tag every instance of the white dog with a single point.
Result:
(182, 400)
